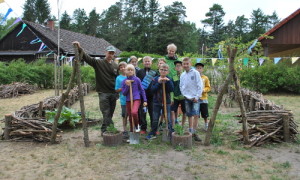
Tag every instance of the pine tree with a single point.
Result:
(42, 9)
(93, 23)
(80, 18)
(29, 10)
(65, 21)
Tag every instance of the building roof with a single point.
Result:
(280, 24)
(92, 45)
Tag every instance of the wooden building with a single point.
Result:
(25, 46)
(286, 42)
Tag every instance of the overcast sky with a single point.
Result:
(195, 9)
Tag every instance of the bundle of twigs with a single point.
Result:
(268, 126)
(16, 89)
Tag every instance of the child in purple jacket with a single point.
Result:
(137, 93)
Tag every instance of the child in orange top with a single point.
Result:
(204, 100)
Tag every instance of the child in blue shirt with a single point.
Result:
(118, 88)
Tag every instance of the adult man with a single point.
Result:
(106, 73)
(146, 75)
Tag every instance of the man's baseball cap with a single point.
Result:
(111, 48)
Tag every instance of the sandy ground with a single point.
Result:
(149, 160)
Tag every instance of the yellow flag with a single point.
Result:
(139, 59)
(294, 59)
(1, 1)
(214, 60)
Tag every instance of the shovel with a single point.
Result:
(134, 138)
(165, 133)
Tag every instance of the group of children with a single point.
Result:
(145, 89)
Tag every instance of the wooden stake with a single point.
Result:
(286, 128)
(41, 109)
(7, 130)
(82, 108)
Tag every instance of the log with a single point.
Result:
(41, 109)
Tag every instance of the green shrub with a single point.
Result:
(271, 77)
(111, 129)
(179, 130)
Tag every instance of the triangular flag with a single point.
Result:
(294, 59)
(1, 1)
(71, 58)
(37, 40)
(277, 59)
(15, 22)
(62, 57)
(42, 45)
(139, 59)
(245, 61)
(199, 60)
(49, 53)
(6, 15)
(128, 60)
(261, 60)
(214, 60)
(23, 26)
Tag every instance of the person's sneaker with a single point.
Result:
(128, 141)
(143, 132)
(205, 127)
(150, 136)
(196, 137)
(138, 129)
(102, 132)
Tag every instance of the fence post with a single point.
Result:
(7, 130)
(286, 128)
(41, 109)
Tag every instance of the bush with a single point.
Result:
(40, 73)
(271, 78)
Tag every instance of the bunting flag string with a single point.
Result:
(214, 60)
(6, 15)
(71, 58)
(139, 59)
(245, 61)
(252, 46)
(15, 22)
(261, 61)
(277, 59)
(62, 57)
(23, 27)
(37, 40)
(220, 52)
(50, 53)
(294, 59)
(42, 45)
(198, 60)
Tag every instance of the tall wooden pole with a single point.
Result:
(78, 73)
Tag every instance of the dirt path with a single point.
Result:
(149, 160)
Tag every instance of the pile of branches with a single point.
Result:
(31, 130)
(29, 123)
(267, 126)
(16, 89)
